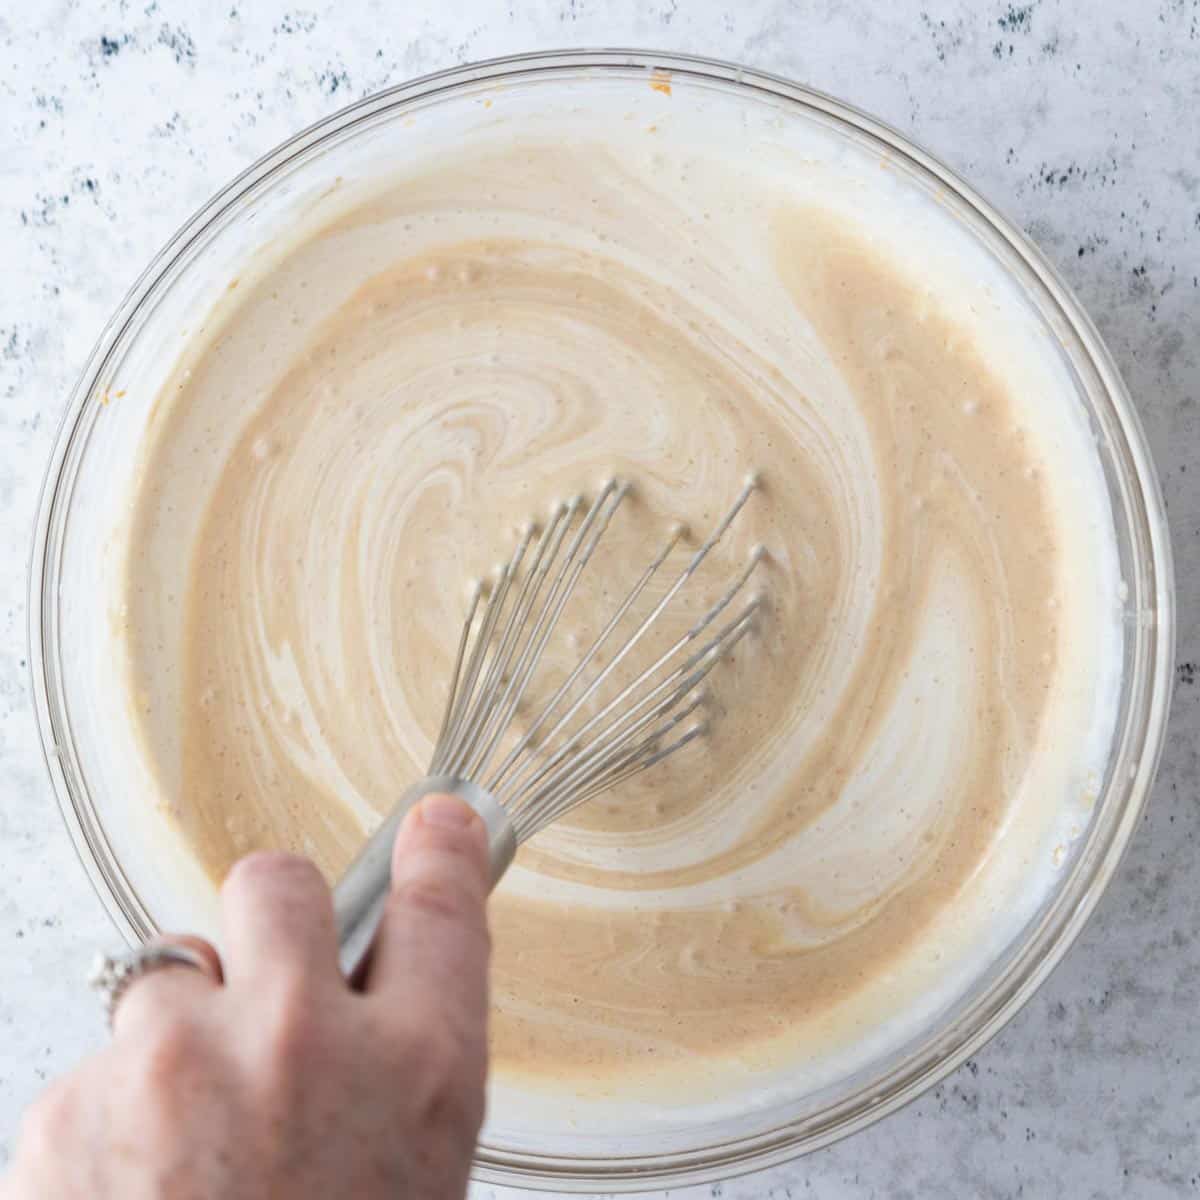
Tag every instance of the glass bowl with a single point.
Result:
(92, 458)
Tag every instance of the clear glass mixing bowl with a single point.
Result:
(92, 460)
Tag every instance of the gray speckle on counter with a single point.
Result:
(1079, 121)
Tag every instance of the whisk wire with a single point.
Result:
(494, 649)
(531, 822)
(686, 676)
(483, 712)
(591, 652)
(504, 638)
(630, 689)
(456, 672)
(532, 817)
(500, 674)
(635, 637)
(599, 771)
(544, 624)
(491, 615)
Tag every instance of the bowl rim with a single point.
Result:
(1057, 929)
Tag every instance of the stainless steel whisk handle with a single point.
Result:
(361, 895)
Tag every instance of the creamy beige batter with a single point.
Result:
(369, 420)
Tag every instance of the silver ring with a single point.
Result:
(112, 974)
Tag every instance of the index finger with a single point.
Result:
(431, 952)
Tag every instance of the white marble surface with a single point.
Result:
(118, 118)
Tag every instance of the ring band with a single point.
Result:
(112, 974)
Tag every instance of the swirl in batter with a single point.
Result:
(375, 414)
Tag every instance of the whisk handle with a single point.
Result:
(361, 894)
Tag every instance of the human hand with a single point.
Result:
(278, 1080)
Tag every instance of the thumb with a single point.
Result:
(431, 952)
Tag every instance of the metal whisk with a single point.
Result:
(564, 756)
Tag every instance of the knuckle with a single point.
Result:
(169, 1050)
(430, 888)
(296, 1037)
(296, 1029)
(431, 895)
(272, 869)
(463, 841)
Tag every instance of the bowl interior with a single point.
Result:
(145, 882)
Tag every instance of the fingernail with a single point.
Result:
(450, 811)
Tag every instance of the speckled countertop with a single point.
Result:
(117, 119)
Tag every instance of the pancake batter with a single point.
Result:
(375, 411)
